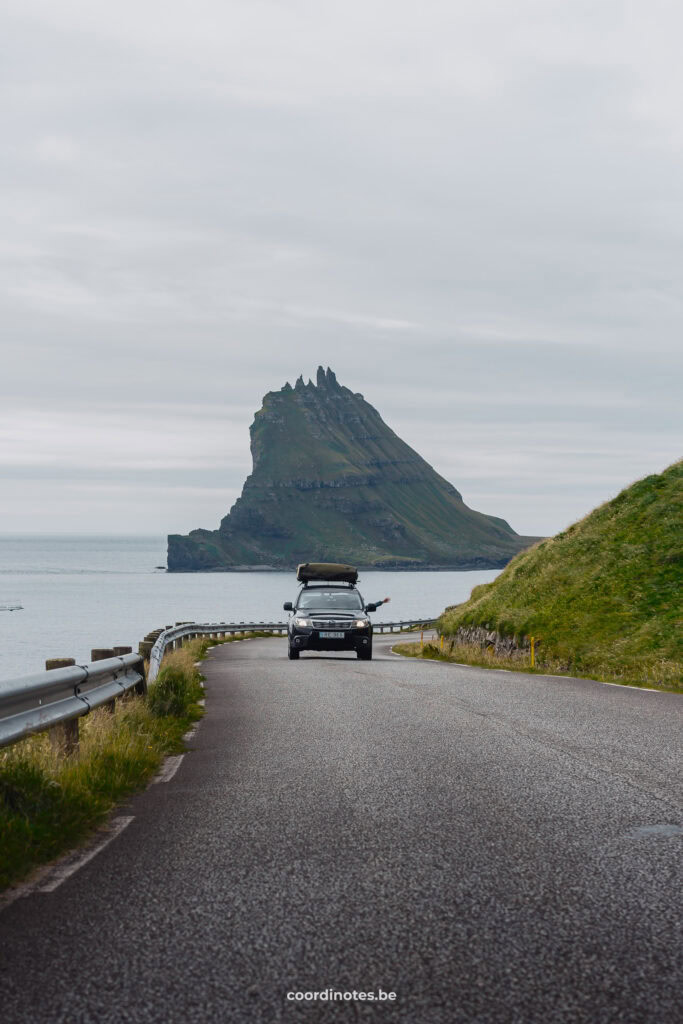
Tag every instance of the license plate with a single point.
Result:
(331, 636)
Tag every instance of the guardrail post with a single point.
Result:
(101, 654)
(64, 736)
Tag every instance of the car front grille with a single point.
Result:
(333, 624)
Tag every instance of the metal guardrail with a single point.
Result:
(60, 696)
(46, 699)
(379, 627)
(173, 638)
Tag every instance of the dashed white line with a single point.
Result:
(169, 769)
(50, 877)
(66, 868)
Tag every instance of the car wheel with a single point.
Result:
(292, 654)
(365, 653)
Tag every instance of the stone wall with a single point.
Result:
(486, 638)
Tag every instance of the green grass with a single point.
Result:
(604, 595)
(49, 803)
(472, 654)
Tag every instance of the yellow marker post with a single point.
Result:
(442, 643)
(422, 639)
(533, 658)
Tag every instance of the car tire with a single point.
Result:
(365, 653)
(291, 653)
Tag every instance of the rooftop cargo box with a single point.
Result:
(326, 572)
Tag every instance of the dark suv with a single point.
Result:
(330, 617)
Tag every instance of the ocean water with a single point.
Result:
(79, 593)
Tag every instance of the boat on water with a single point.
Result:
(10, 606)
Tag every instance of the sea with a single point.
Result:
(78, 593)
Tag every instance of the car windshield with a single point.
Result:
(347, 600)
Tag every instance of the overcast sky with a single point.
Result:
(472, 211)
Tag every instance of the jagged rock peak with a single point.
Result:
(326, 379)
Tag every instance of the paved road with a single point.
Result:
(490, 846)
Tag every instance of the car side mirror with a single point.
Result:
(371, 607)
(288, 606)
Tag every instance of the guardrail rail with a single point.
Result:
(173, 637)
(60, 696)
(57, 698)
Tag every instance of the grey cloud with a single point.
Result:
(472, 213)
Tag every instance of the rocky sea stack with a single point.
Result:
(332, 483)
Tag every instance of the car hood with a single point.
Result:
(328, 613)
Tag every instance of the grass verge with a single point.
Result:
(49, 803)
(661, 676)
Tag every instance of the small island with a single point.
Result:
(332, 482)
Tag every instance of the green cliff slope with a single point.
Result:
(604, 595)
(331, 482)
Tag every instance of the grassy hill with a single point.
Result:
(604, 595)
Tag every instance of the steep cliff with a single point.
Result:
(331, 482)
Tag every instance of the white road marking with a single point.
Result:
(50, 877)
(169, 769)
(511, 671)
(202, 702)
(66, 869)
(190, 733)
(645, 689)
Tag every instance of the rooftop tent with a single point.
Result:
(328, 572)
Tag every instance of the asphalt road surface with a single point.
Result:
(488, 846)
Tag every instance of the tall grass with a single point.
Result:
(659, 675)
(49, 802)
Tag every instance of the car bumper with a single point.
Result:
(310, 640)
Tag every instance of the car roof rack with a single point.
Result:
(326, 572)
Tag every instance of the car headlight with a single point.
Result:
(302, 622)
(362, 623)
